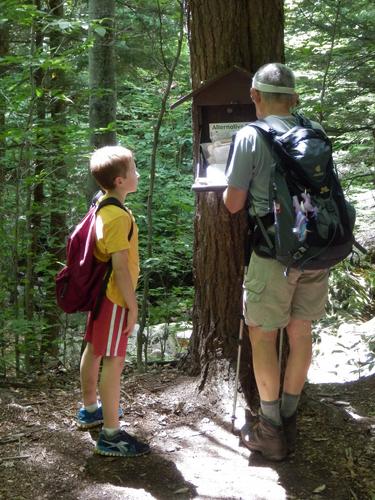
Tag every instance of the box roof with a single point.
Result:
(230, 87)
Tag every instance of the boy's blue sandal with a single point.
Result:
(87, 420)
(121, 444)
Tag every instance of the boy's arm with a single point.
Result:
(124, 283)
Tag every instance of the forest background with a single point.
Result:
(46, 140)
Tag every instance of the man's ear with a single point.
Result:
(296, 101)
(255, 95)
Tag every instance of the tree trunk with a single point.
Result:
(242, 33)
(102, 80)
(4, 48)
(102, 72)
(34, 205)
(246, 34)
(57, 106)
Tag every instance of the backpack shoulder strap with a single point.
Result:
(96, 197)
(302, 121)
(263, 127)
(108, 201)
(131, 222)
(265, 131)
(114, 201)
(302, 131)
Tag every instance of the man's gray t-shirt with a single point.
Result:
(252, 162)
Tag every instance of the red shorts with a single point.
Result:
(106, 332)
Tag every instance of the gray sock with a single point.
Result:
(91, 408)
(271, 411)
(289, 403)
(109, 432)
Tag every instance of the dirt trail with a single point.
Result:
(194, 454)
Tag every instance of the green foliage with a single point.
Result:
(351, 291)
(331, 47)
(170, 305)
(38, 148)
(44, 153)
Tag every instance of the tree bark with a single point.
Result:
(102, 80)
(4, 49)
(57, 106)
(242, 33)
(35, 203)
(246, 34)
(102, 72)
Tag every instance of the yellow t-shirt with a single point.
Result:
(112, 229)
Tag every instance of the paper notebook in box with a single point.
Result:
(215, 178)
(211, 169)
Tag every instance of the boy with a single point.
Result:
(114, 170)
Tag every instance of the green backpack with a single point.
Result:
(311, 223)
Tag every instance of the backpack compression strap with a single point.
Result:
(270, 134)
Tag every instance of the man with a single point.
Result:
(272, 300)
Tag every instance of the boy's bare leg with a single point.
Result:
(299, 360)
(89, 371)
(265, 363)
(109, 388)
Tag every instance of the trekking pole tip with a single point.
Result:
(234, 431)
(233, 418)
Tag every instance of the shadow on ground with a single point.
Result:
(194, 453)
(152, 474)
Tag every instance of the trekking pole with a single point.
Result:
(281, 348)
(247, 254)
(240, 336)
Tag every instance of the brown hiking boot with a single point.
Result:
(265, 437)
(290, 431)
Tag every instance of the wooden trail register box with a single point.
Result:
(220, 107)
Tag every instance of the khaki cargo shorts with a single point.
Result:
(271, 299)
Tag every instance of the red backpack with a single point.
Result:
(81, 284)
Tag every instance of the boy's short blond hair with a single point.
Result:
(110, 162)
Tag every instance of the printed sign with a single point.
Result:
(224, 131)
